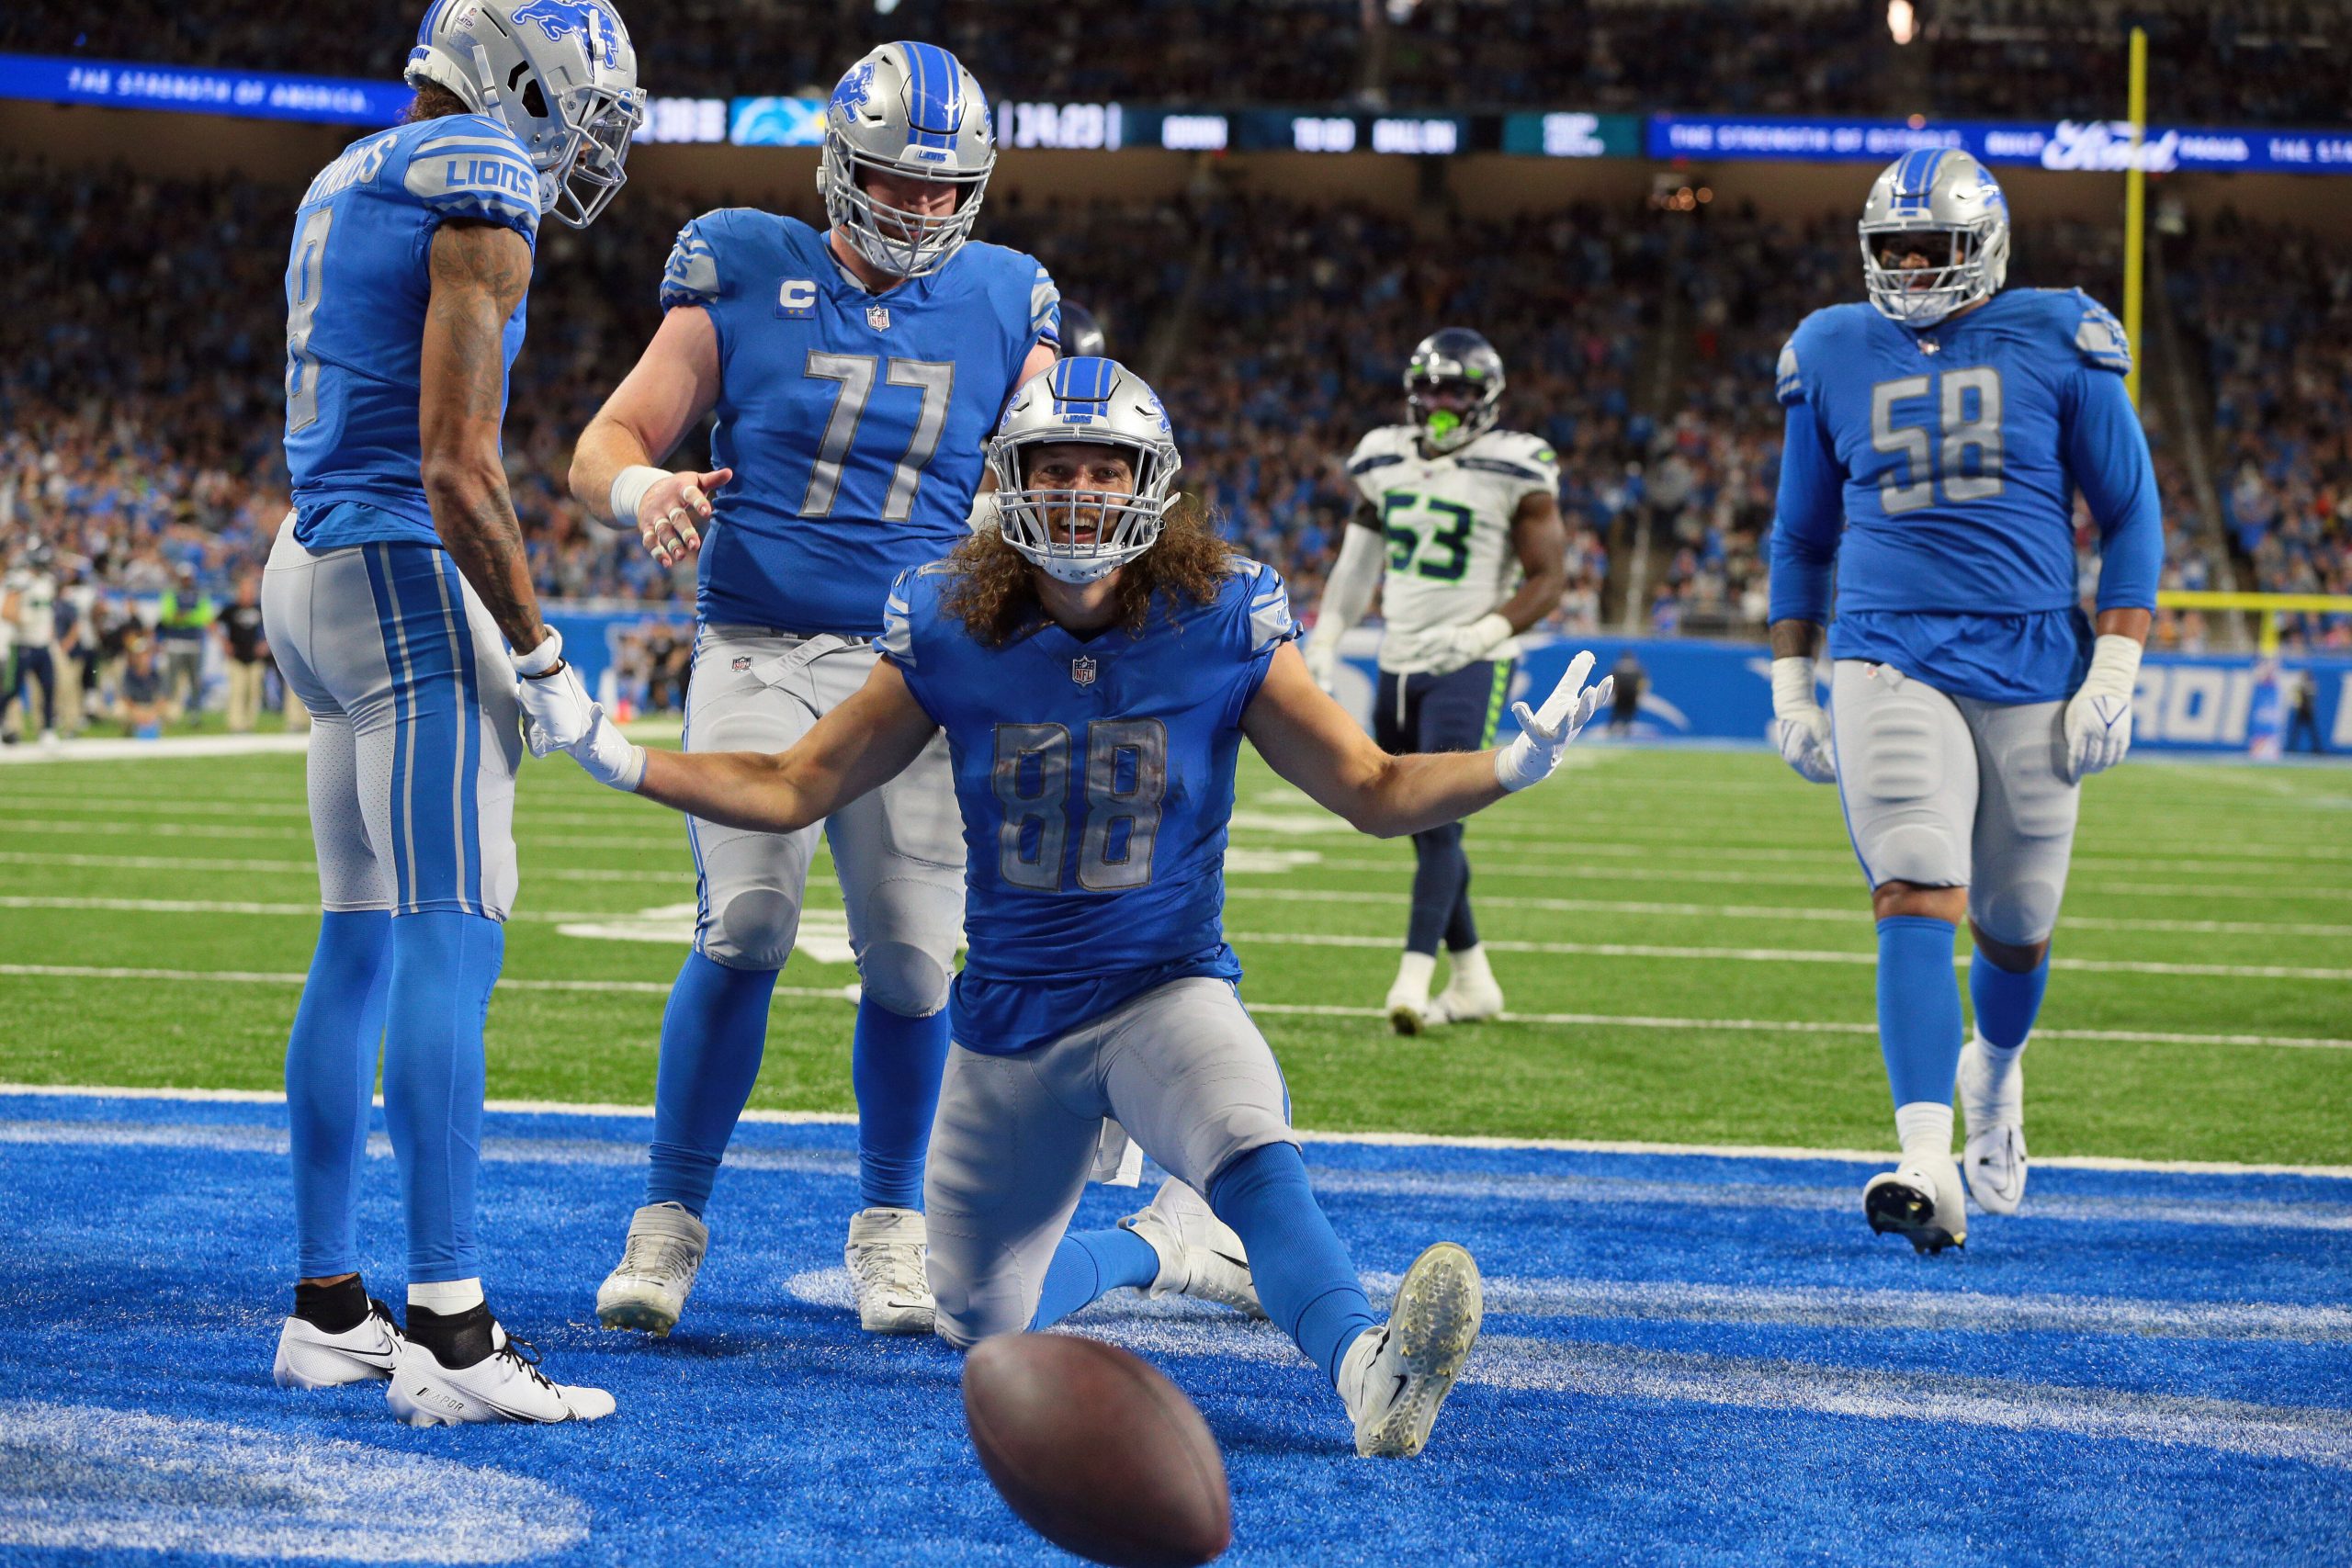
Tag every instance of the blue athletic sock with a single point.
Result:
(1918, 1008)
(894, 1067)
(1441, 873)
(1305, 1280)
(713, 1032)
(444, 963)
(1090, 1265)
(330, 1081)
(2005, 1003)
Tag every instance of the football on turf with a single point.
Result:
(1099, 1454)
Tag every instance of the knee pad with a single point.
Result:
(1924, 853)
(977, 1304)
(2021, 915)
(903, 977)
(753, 930)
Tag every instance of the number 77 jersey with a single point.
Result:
(855, 422)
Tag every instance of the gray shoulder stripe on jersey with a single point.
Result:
(1377, 460)
(1497, 466)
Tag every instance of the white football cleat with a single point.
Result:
(885, 1254)
(1394, 1378)
(1199, 1255)
(664, 1254)
(1464, 1001)
(1412, 1010)
(1995, 1157)
(308, 1357)
(506, 1385)
(1921, 1200)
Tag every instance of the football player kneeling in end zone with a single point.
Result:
(1095, 662)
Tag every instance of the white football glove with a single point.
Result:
(1322, 656)
(609, 756)
(556, 708)
(1459, 647)
(2098, 715)
(1798, 724)
(1544, 733)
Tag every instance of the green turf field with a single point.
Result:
(1683, 936)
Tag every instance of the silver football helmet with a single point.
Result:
(908, 110)
(1953, 207)
(561, 74)
(1098, 401)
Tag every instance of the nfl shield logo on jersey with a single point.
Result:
(878, 317)
(1081, 670)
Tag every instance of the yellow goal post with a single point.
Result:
(2268, 606)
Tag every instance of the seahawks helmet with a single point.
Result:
(1095, 400)
(561, 74)
(910, 109)
(1081, 333)
(1948, 206)
(1458, 357)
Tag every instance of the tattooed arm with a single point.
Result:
(479, 272)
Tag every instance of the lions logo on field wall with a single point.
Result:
(584, 19)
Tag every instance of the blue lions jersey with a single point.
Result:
(855, 422)
(1952, 455)
(1095, 777)
(357, 286)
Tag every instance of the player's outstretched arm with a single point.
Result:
(1310, 741)
(674, 384)
(859, 746)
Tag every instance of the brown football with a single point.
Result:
(1099, 1454)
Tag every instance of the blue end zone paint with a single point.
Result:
(1687, 1360)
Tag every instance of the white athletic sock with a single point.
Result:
(447, 1296)
(2000, 1059)
(1470, 967)
(1925, 1128)
(1414, 971)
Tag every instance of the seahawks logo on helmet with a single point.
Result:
(584, 20)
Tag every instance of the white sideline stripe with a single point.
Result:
(1283, 895)
(2312, 1436)
(1289, 1010)
(1798, 955)
(1376, 1140)
(1400, 866)
(173, 749)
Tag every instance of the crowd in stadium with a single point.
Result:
(2273, 62)
(143, 404)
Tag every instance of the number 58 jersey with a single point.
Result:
(855, 422)
(1447, 520)
(1095, 780)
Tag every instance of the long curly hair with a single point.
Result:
(995, 590)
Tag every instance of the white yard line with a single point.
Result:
(1798, 955)
(1378, 1140)
(1292, 1009)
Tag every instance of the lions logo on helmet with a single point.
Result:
(561, 74)
(1103, 402)
(1947, 208)
(911, 110)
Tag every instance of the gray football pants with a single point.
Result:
(1943, 791)
(1183, 1068)
(414, 737)
(898, 851)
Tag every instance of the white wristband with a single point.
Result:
(629, 492)
(1792, 687)
(1492, 630)
(2115, 664)
(544, 660)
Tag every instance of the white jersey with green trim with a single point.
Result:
(1447, 519)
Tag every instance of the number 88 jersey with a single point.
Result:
(1447, 519)
(855, 422)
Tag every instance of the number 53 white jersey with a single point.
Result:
(1447, 519)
